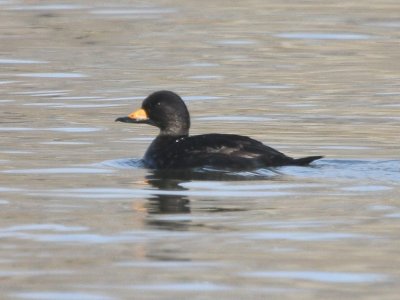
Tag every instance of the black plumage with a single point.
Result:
(173, 148)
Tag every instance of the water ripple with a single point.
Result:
(329, 277)
(324, 36)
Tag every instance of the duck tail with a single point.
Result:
(304, 161)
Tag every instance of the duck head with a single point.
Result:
(165, 110)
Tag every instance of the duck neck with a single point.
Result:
(176, 131)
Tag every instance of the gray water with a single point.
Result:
(80, 218)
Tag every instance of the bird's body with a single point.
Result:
(173, 148)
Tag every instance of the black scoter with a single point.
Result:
(173, 148)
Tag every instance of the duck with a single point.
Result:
(175, 149)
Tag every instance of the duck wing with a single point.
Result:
(228, 151)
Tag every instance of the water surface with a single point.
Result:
(81, 218)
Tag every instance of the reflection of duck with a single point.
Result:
(175, 149)
(167, 202)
